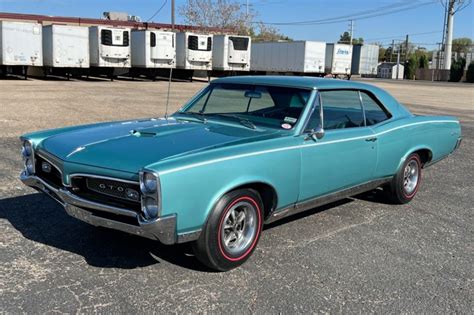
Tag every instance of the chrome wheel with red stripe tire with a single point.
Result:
(232, 230)
(406, 182)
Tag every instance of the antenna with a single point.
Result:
(168, 95)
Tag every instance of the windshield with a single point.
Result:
(278, 107)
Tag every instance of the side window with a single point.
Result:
(341, 109)
(374, 113)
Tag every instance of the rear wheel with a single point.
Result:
(405, 184)
(232, 230)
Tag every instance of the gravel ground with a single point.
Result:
(358, 255)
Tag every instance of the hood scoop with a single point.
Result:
(142, 133)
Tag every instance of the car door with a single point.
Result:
(346, 155)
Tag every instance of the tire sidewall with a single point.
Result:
(401, 194)
(219, 258)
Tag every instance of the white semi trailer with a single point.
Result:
(298, 57)
(153, 49)
(193, 52)
(65, 47)
(365, 59)
(338, 59)
(20, 47)
(231, 53)
(110, 50)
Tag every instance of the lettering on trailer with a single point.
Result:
(342, 51)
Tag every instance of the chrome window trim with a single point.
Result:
(362, 106)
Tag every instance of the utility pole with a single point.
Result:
(449, 35)
(172, 14)
(406, 48)
(398, 60)
(391, 50)
(351, 25)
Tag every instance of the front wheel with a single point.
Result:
(232, 230)
(406, 182)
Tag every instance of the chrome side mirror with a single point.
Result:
(316, 134)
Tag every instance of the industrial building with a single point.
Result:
(390, 70)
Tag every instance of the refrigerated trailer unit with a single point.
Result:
(153, 49)
(193, 51)
(65, 47)
(231, 53)
(338, 59)
(365, 59)
(298, 57)
(110, 51)
(20, 47)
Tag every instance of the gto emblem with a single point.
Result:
(111, 187)
(46, 167)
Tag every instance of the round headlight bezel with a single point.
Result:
(150, 208)
(149, 184)
(150, 195)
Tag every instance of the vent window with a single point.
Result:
(240, 43)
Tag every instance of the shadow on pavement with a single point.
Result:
(42, 220)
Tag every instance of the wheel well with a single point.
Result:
(425, 155)
(266, 192)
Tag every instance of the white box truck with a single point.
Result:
(109, 47)
(66, 46)
(20, 47)
(300, 57)
(153, 49)
(231, 53)
(365, 59)
(193, 51)
(338, 59)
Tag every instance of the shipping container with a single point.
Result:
(296, 57)
(231, 53)
(66, 46)
(193, 51)
(365, 59)
(338, 59)
(20, 44)
(109, 47)
(153, 49)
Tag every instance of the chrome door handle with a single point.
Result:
(372, 139)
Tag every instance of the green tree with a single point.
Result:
(411, 66)
(470, 73)
(462, 45)
(457, 70)
(345, 38)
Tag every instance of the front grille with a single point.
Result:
(107, 191)
(49, 174)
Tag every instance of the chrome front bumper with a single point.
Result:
(162, 229)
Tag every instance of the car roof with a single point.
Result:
(297, 82)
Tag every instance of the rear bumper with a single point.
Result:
(162, 229)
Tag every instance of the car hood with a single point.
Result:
(130, 146)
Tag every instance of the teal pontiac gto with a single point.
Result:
(243, 152)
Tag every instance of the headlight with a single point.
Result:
(27, 149)
(150, 195)
(149, 183)
(30, 166)
(150, 208)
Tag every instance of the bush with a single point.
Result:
(457, 70)
(423, 61)
(470, 73)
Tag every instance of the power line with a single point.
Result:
(398, 36)
(386, 10)
(157, 11)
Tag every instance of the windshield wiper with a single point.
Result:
(198, 116)
(243, 121)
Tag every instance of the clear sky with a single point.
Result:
(426, 19)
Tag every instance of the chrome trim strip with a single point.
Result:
(325, 199)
